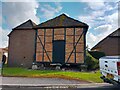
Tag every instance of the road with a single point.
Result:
(40, 81)
(62, 88)
(19, 83)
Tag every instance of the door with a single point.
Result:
(59, 51)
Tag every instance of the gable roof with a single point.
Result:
(113, 34)
(61, 21)
(29, 24)
(26, 25)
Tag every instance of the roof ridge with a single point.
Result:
(52, 19)
(32, 23)
(60, 21)
(104, 38)
(29, 20)
(114, 32)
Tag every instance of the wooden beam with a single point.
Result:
(84, 46)
(65, 41)
(44, 44)
(44, 49)
(75, 46)
(36, 32)
(53, 35)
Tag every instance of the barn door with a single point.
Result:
(59, 51)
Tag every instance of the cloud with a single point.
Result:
(103, 28)
(49, 11)
(18, 0)
(92, 17)
(100, 33)
(4, 37)
(0, 18)
(16, 12)
(64, 0)
(102, 20)
(112, 19)
(93, 39)
(97, 0)
(13, 14)
(100, 14)
(96, 5)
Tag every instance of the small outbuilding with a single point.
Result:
(21, 49)
(61, 40)
(109, 45)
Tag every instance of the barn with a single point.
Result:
(109, 45)
(61, 40)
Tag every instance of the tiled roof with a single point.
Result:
(61, 21)
(26, 25)
(113, 34)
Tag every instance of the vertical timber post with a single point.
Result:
(74, 45)
(84, 66)
(36, 32)
(84, 29)
(65, 41)
(52, 42)
(53, 35)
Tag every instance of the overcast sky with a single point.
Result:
(102, 17)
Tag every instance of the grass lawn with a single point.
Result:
(22, 72)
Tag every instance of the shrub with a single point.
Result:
(91, 62)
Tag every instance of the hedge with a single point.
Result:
(91, 62)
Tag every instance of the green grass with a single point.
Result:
(21, 72)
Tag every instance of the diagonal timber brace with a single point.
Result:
(74, 47)
(44, 48)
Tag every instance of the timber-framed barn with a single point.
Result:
(61, 40)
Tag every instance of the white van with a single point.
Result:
(110, 69)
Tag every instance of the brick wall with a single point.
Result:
(21, 48)
(59, 35)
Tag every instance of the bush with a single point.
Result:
(97, 54)
(91, 62)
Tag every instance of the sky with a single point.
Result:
(101, 16)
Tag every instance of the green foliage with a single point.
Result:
(91, 62)
(97, 54)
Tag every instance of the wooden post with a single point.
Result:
(74, 45)
(36, 32)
